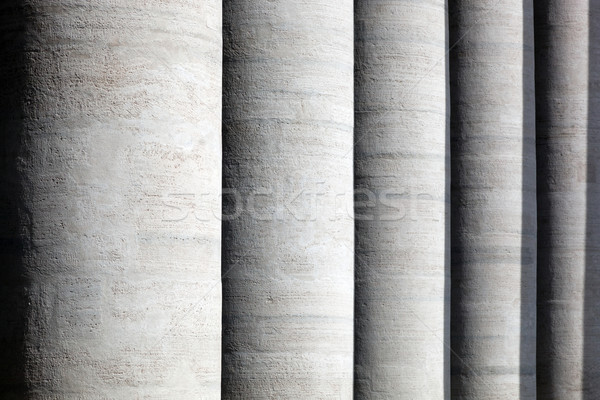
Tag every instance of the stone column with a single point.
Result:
(288, 232)
(111, 178)
(567, 140)
(401, 178)
(493, 199)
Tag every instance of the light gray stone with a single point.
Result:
(112, 153)
(401, 166)
(493, 199)
(288, 257)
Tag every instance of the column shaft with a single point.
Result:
(401, 178)
(111, 157)
(567, 148)
(288, 234)
(493, 199)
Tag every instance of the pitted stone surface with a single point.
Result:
(288, 257)
(112, 142)
(401, 178)
(493, 228)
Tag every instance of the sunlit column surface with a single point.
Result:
(401, 171)
(288, 234)
(111, 175)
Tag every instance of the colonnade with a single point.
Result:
(397, 198)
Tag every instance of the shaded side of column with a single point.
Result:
(493, 199)
(561, 35)
(13, 278)
(288, 228)
(401, 160)
(112, 249)
(591, 315)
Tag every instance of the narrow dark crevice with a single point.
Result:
(13, 239)
(591, 306)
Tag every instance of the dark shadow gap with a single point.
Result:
(543, 340)
(591, 306)
(447, 244)
(13, 233)
(456, 344)
(227, 206)
(357, 345)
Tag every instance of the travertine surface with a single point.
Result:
(112, 153)
(567, 148)
(493, 199)
(288, 257)
(402, 276)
